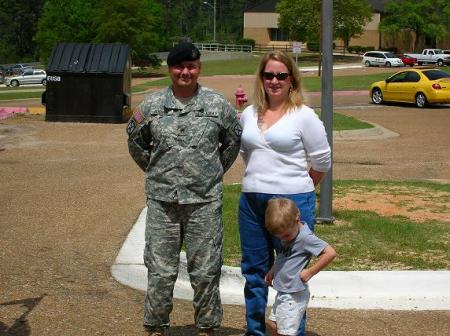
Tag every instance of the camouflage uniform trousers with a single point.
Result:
(199, 227)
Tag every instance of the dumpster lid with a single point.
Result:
(88, 58)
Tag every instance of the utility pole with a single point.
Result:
(214, 17)
(326, 186)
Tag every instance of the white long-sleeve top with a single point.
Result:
(277, 159)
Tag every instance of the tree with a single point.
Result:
(19, 20)
(409, 16)
(194, 19)
(301, 18)
(350, 18)
(134, 22)
(64, 21)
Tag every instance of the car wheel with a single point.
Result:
(377, 96)
(421, 100)
(419, 63)
(44, 82)
(367, 63)
(440, 62)
(411, 65)
(14, 83)
(388, 64)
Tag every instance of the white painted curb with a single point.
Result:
(394, 290)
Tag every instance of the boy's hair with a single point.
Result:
(281, 215)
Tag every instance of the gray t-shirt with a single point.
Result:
(292, 259)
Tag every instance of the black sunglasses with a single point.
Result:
(281, 76)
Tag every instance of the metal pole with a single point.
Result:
(214, 17)
(326, 186)
(214, 21)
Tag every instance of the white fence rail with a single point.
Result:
(224, 47)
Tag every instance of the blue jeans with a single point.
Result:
(257, 247)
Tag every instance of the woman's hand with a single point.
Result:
(316, 176)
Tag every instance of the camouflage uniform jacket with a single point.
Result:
(184, 152)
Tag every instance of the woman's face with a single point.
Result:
(276, 88)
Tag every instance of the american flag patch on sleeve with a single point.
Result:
(137, 115)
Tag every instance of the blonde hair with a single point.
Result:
(260, 99)
(281, 215)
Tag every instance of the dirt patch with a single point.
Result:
(417, 204)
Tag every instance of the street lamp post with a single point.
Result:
(214, 16)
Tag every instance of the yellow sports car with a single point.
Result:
(420, 87)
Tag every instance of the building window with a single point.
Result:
(277, 34)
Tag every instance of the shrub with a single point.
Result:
(151, 60)
(392, 49)
(313, 45)
(359, 49)
(250, 41)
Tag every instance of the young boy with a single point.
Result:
(289, 275)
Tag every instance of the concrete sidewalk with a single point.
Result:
(393, 290)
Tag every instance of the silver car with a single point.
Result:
(30, 76)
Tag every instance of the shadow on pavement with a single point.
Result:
(20, 327)
(191, 330)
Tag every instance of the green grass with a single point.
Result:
(342, 122)
(369, 241)
(312, 84)
(365, 240)
(20, 95)
(21, 88)
(245, 66)
(147, 85)
(343, 83)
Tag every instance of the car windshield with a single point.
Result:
(390, 55)
(435, 74)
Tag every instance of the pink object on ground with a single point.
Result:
(6, 112)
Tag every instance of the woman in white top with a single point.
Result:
(286, 152)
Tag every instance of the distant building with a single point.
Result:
(261, 24)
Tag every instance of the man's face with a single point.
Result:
(185, 75)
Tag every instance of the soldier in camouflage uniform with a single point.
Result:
(184, 137)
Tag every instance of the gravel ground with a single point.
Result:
(70, 193)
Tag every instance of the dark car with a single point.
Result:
(17, 69)
(407, 60)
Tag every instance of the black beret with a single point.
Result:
(184, 51)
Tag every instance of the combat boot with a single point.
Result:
(157, 331)
(206, 332)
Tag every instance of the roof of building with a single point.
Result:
(89, 58)
(269, 6)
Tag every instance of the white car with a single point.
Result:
(381, 58)
(30, 76)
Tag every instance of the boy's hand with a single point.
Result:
(268, 278)
(305, 275)
(327, 256)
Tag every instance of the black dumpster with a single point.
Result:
(88, 83)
